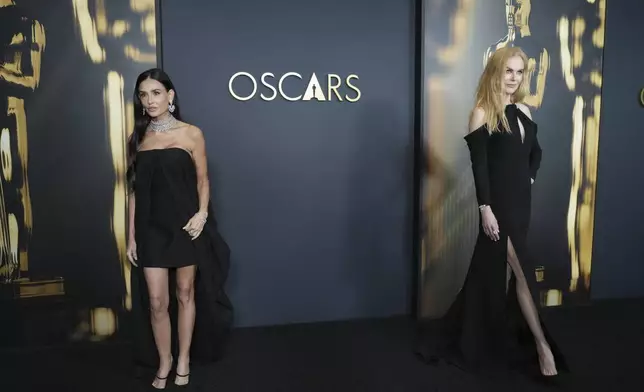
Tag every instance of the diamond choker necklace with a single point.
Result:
(164, 125)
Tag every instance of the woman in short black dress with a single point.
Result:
(172, 232)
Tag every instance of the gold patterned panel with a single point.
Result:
(20, 68)
(572, 33)
(115, 109)
(585, 82)
(103, 323)
(16, 107)
(95, 27)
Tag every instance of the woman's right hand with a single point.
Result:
(131, 253)
(490, 225)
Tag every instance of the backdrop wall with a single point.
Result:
(618, 270)
(315, 198)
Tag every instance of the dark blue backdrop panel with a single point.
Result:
(315, 198)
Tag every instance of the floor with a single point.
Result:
(603, 342)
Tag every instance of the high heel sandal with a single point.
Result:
(157, 378)
(182, 380)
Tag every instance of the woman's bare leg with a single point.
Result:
(186, 299)
(157, 281)
(529, 310)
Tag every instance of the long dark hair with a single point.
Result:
(142, 120)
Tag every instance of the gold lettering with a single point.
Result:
(231, 90)
(333, 87)
(354, 88)
(313, 90)
(280, 86)
(269, 86)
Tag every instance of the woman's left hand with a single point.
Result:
(195, 225)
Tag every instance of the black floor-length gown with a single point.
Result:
(484, 327)
(166, 198)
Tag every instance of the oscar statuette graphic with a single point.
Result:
(23, 46)
(121, 47)
(581, 38)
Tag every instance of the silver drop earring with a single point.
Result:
(144, 111)
(171, 107)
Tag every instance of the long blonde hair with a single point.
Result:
(489, 91)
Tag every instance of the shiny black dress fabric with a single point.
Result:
(484, 327)
(166, 198)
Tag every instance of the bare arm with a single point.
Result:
(131, 206)
(196, 224)
(131, 242)
(201, 164)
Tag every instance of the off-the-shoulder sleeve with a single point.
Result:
(535, 155)
(477, 142)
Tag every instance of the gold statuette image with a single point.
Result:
(22, 51)
(581, 42)
(120, 48)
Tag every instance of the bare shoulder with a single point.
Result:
(189, 132)
(194, 132)
(477, 119)
(525, 109)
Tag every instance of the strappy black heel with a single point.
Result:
(182, 380)
(156, 377)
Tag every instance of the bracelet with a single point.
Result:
(483, 206)
(203, 217)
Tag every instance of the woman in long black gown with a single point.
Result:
(492, 319)
(172, 233)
